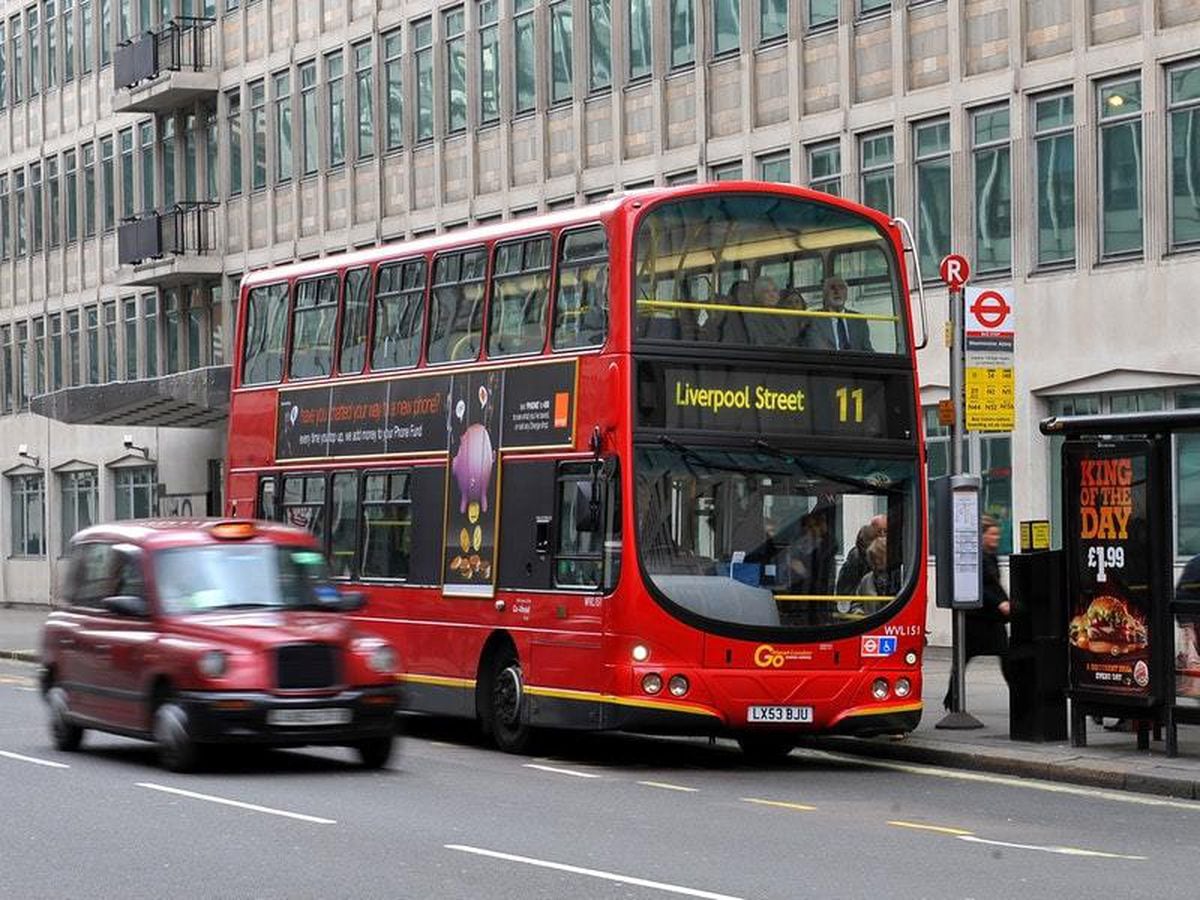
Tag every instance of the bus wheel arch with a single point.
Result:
(500, 695)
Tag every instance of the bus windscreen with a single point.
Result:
(766, 271)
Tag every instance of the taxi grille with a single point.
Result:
(301, 666)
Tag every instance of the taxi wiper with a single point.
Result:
(248, 605)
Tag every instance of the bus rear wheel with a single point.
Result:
(509, 730)
(766, 748)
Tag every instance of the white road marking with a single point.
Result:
(558, 771)
(802, 807)
(940, 829)
(240, 805)
(1065, 851)
(1009, 781)
(669, 787)
(37, 762)
(594, 873)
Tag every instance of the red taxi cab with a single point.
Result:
(193, 633)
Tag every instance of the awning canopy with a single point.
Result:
(197, 398)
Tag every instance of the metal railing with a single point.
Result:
(182, 43)
(188, 227)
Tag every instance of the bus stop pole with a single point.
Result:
(958, 717)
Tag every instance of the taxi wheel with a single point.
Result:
(509, 731)
(766, 748)
(176, 750)
(66, 735)
(375, 752)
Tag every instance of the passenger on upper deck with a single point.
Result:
(773, 327)
(836, 332)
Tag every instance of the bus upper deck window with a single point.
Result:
(312, 331)
(520, 291)
(456, 313)
(266, 330)
(581, 299)
(399, 314)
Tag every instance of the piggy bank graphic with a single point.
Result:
(472, 467)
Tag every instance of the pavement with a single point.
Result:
(1111, 759)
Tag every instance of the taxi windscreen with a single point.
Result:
(242, 576)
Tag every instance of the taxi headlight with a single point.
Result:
(380, 655)
(213, 663)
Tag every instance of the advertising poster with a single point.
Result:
(1110, 568)
(1187, 660)
(473, 420)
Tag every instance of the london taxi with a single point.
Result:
(193, 633)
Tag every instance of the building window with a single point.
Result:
(210, 154)
(7, 391)
(68, 26)
(258, 135)
(171, 319)
(1183, 97)
(80, 499)
(167, 134)
(993, 189)
(35, 43)
(105, 32)
(526, 55)
(131, 343)
(336, 89)
(56, 352)
(772, 19)
(825, 168)
(110, 341)
(727, 26)
(423, 56)
(196, 314)
(22, 242)
(18, 58)
(39, 357)
(71, 179)
(600, 44)
(134, 492)
(561, 51)
(146, 145)
(3, 66)
(1054, 118)
(36, 216)
(108, 183)
(126, 138)
(776, 167)
(50, 25)
(364, 99)
(283, 126)
(641, 37)
(932, 151)
(1121, 201)
(308, 109)
(5, 234)
(74, 348)
(872, 6)
(489, 62)
(730, 171)
(150, 315)
(28, 515)
(877, 164)
(89, 190)
(683, 33)
(456, 70)
(21, 366)
(233, 114)
(85, 36)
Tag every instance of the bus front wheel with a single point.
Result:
(510, 731)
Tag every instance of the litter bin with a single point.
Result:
(1037, 650)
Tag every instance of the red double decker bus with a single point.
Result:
(651, 465)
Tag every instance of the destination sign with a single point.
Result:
(767, 401)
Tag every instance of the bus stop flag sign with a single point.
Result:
(988, 366)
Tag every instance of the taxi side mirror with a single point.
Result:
(127, 605)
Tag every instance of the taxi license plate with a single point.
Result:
(790, 715)
(286, 717)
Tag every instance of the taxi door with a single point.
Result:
(120, 645)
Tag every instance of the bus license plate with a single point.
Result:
(792, 715)
(285, 717)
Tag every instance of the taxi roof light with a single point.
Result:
(233, 531)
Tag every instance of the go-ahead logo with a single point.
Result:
(767, 657)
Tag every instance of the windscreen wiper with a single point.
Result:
(862, 484)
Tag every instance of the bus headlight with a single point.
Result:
(213, 663)
(678, 685)
(903, 687)
(879, 689)
(652, 683)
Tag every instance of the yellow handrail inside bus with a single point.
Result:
(826, 598)
(769, 311)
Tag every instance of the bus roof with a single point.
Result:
(566, 218)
